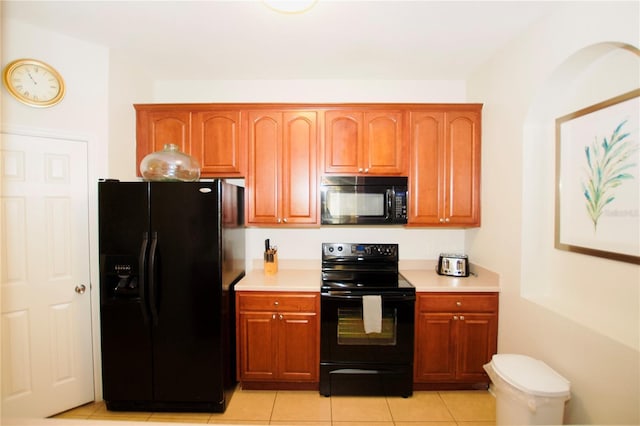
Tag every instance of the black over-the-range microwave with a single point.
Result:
(363, 200)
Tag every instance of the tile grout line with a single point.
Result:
(447, 407)
(273, 407)
(386, 400)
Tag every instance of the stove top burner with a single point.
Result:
(399, 283)
(361, 268)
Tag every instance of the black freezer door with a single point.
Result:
(123, 210)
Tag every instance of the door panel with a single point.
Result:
(124, 319)
(297, 335)
(343, 141)
(426, 178)
(384, 151)
(299, 182)
(216, 141)
(462, 160)
(477, 342)
(265, 134)
(47, 359)
(187, 330)
(436, 360)
(259, 354)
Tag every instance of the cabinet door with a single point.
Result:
(282, 174)
(299, 181)
(154, 129)
(343, 141)
(435, 356)
(364, 142)
(217, 143)
(444, 181)
(298, 350)
(477, 342)
(262, 187)
(462, 168)
(384, 149)
(426, 185)
(257, 346)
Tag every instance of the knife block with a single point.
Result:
(270, 262)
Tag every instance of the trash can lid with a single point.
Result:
(530, 375)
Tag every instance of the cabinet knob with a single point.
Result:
(273, 316)
(458, 303)
(447, 220)
(279, 220)
(366, 170)
(284, 220)
(441, 220)
(455, 318)
(276, 303)
(281, 316)
(360, 170)
(461, 317)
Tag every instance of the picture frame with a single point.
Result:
(597, 203)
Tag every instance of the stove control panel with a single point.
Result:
(359, 250)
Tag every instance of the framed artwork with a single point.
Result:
(598, 180)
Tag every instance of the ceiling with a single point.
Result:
(336, 39)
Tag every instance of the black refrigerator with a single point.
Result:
(170, 254)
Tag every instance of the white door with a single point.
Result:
(47, 364)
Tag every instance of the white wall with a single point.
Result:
(82, 114)
(578, 313)
(127, 84)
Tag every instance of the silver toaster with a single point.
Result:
(453, 265)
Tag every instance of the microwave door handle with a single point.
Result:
(389, 200)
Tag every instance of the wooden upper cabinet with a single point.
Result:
(364, 142)
(444, 178)
(155, 129)
(299, 168)
(282, 172)
(217, 143)
(282, 149)
(211, 135)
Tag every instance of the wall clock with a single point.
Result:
(33, 82)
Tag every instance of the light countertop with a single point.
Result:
(305, 276)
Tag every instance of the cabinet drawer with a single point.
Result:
(277, 301)
(458, 302)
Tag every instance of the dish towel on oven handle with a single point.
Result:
(372, 314)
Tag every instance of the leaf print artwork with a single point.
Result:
(608, 165)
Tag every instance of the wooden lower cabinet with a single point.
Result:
(278, 340)
(456, 334)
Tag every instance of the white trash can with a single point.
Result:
(527, 391)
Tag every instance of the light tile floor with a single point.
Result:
(309, 408)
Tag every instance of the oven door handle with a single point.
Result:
(386, 297)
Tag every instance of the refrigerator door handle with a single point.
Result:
(143, 284)
(152, 278)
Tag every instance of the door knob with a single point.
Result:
(80, 289)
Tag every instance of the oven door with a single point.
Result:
(343, 339)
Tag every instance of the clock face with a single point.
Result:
(34, 83)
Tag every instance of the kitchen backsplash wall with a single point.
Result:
(305, 244)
